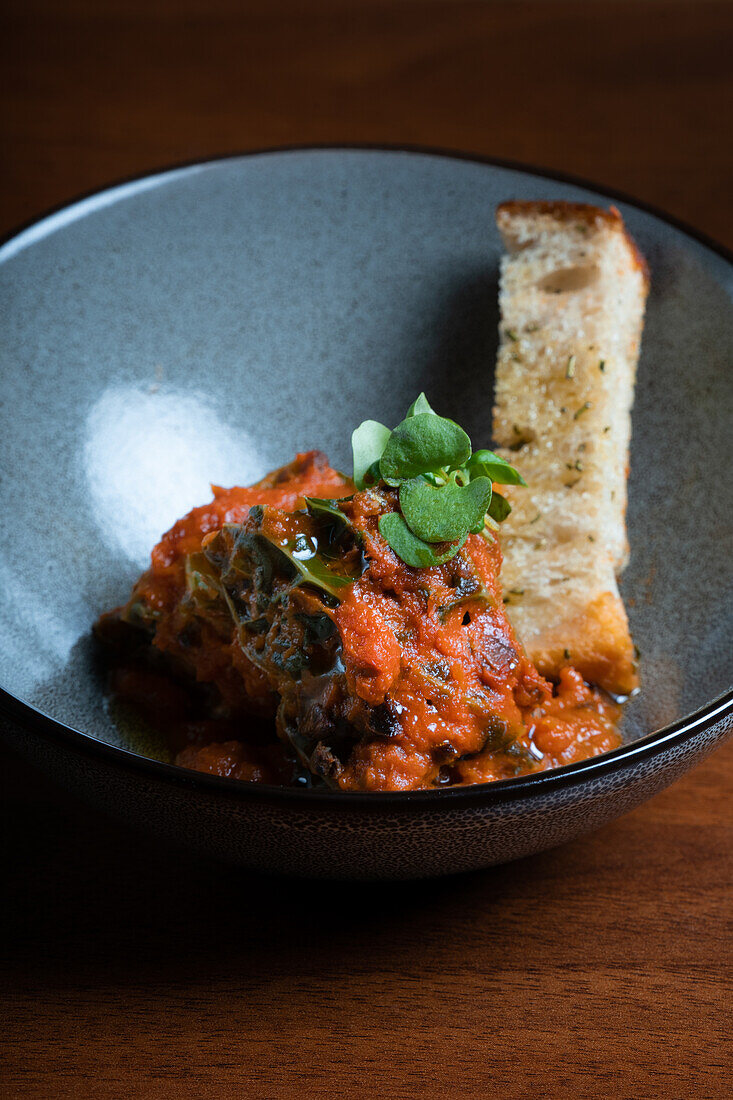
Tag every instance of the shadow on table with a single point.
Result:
(88, 897)
(89, 901)
(92, 902)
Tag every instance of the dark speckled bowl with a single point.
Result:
(204, 324)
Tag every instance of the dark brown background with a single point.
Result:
(600, 969)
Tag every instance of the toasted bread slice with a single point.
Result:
(572, 296)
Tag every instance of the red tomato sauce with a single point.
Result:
(429, 651)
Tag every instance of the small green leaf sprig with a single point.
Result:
(445, 489)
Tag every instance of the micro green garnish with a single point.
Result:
(602, 365)
(512, 335)
(444, 489)
(492, 466)
(422, 444)
(420, 405)
(570, 368)
(583, 408)
(441, 513)
(412, 550)
(499, 508)
(368, 442)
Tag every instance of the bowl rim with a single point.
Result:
(491, 793)
(495, 792)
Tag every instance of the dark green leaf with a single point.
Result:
(317, 506)
(420, 405)
(140, 613)
(422, 443)
(318, 628)
(407, 546)
(329, 513)
(256, 626)
(237, 555)
(367, 442)
(303, 554)
(201, 578)
(480, 594)
(446, 512)
(488, 464)
(499, 508)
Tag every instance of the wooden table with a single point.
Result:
(601, 969)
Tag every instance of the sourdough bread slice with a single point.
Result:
(572, 296)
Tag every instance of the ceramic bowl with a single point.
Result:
(203, 324)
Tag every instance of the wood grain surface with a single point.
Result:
(602, 969)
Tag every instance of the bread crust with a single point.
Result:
(560, 211)
(572, 296)
(594, 639)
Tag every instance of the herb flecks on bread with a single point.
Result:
(572, 296)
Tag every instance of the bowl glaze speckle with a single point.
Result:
(204, 324)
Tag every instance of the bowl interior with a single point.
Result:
(205, 324)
